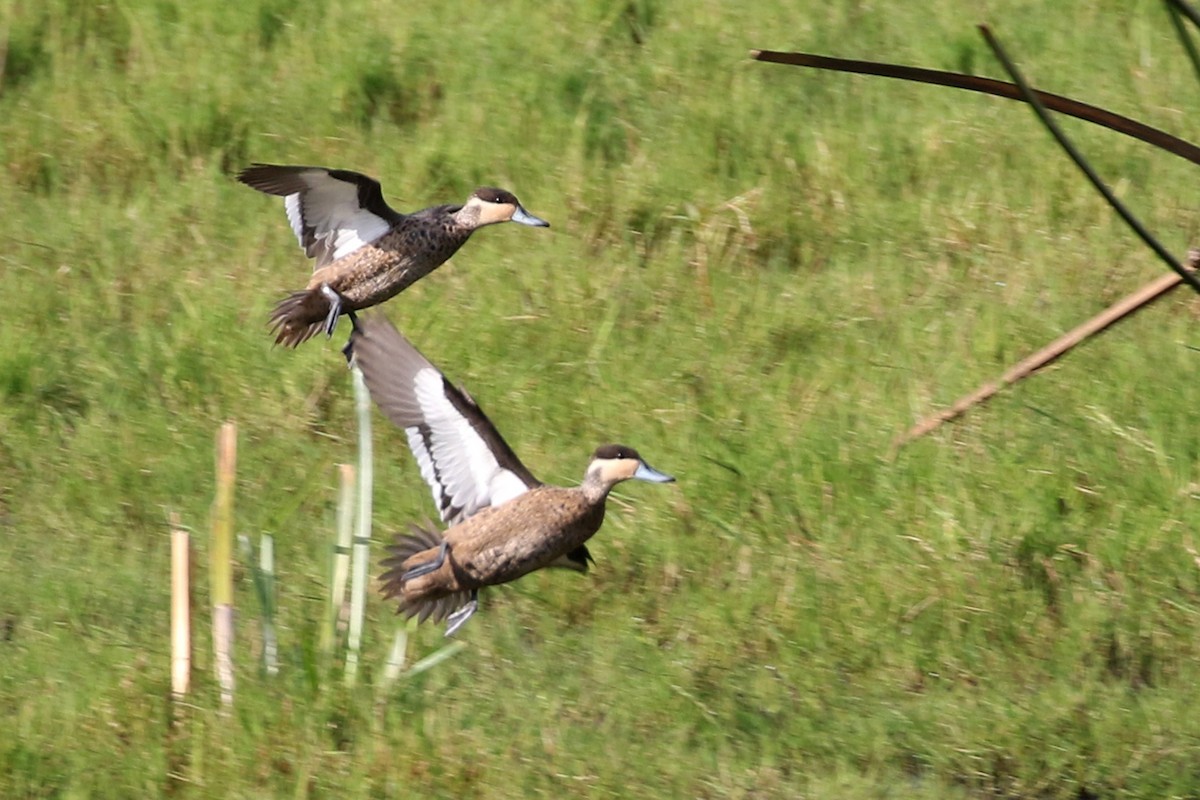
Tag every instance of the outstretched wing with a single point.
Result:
(462, 456)
(333, 212)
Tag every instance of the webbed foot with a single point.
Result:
(460, 617)
(429, 566)
(348, 349)
(335, 308)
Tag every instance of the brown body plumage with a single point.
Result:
(365, 251)
(417, 245)
(497, 545)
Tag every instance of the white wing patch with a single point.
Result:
(455, 461)
(327, 219)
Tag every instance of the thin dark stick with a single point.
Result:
(974, 83)
(1185, 38)
(1186, 10)
(1127, 215)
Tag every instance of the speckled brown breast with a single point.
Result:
(417, 245)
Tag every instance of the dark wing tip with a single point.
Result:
(259, 172)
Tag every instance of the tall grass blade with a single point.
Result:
(437, 657)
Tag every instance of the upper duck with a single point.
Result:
(365, 251)
(504, 522)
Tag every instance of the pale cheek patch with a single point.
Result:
(492, 213)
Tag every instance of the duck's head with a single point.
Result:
(488, 205)
(613, 463)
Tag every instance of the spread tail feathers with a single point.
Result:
(299, 317)
(405, 546)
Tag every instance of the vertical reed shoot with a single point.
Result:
(181, 608)
(362, 535)
(221, 560)
(263, 574)
(341, 559)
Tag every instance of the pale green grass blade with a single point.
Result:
(340, 561)
(435, 658)
(397, 656)
(362, 533)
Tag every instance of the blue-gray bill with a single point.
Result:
(525, 218)
(645, 472)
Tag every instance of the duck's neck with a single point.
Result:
(467, 217)
(595, 487)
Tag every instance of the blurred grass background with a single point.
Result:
(757, 275)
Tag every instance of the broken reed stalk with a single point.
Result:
(362, 534)
(220, 565)
(181, 610)
(341, 558)
(1027, 366)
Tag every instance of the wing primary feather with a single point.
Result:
(462, 457)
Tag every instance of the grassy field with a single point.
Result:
(756, 275)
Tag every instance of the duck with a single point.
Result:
(503, 523)
(365, 252)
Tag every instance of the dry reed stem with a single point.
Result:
(221, 560)
(181, 607)
(1124, 307)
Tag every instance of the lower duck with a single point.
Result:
(504, 522)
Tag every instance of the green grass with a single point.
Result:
(757, 275)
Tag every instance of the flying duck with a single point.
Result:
(365, 251)
(503, 522)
